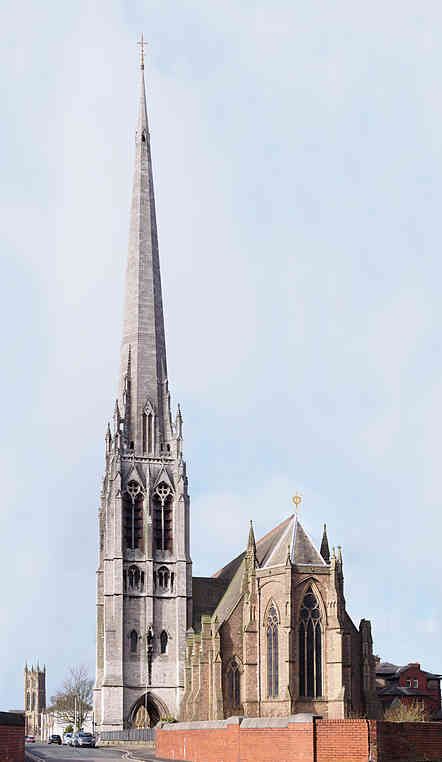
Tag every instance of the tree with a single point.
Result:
(74, 700)
(412, 712)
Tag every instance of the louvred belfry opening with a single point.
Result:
(163, 518)
(133, 517)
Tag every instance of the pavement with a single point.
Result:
(52, 753)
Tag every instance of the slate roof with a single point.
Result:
(400, 690)
(218, 595)
(385, 669)
(206, 593)
(273, 548)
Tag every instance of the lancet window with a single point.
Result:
(310, 646)
(28, 701)
(148, 429)
(234, 684)
(163, 641)
(133, 516)
(272, 653)
(163, 517)
(133, 642)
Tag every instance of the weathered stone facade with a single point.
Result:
(264, 597)
(144, 578)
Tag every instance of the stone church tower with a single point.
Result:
(144, 578)
(35, 698)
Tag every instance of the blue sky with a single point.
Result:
(298, 171)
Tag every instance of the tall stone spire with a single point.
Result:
(143, 327)
(144, 578)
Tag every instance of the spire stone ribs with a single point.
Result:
(143, 328)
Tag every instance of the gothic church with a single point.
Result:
(267, 635)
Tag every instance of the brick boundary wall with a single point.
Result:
(12, 737)
(293, 739)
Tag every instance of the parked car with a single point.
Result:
(29, 739)
(83, 739)
(67, 738)
(54, 738)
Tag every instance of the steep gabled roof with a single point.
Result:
(287, 538)
(273, 548)
(231, 597)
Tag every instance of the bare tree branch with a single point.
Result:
(74, 700)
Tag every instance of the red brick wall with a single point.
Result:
(410, 741)
(292, 744)
(342, 741)
(324, 741)
(213, 745)
(12, 743)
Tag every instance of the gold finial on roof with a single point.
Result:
(142, 45)
(297, 499)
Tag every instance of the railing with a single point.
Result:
(146, 735)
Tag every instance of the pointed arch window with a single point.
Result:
(163, 577)
(310, 647)
(133, 516)
(163, 641)
(148, 429)
(133, 642)
(28, 701)
(163, 517)
(234, 684)
(133, 579)
(272, 653)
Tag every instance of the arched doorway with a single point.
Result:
(147, 711)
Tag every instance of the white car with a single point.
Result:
(67, 738)
(83, 739)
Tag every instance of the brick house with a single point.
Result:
(407, 684)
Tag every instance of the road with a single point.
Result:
(52, 753)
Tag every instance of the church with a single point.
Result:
(268, 634)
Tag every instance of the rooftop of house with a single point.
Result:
(393, 671)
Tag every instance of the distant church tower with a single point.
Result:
(35, 698)
(144, 578)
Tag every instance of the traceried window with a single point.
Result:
(133, 579)
(133, 642)
(163, 577)
(163, 517)
(28, 701)
(163, 641)
(133, 516)
(310, 647)
(33, 702)
(272, 653)
(234, 684)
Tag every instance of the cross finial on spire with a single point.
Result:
(142, 45)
